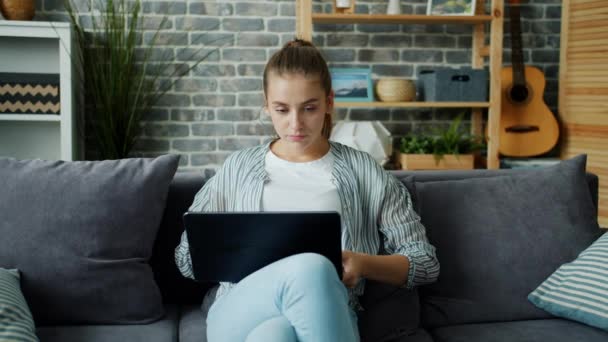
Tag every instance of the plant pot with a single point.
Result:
(18, 9)
(428, 162)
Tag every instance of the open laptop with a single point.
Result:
(229, 246)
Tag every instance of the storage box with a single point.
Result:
(28, 93)
(448, 84)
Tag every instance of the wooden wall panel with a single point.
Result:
(583, 82)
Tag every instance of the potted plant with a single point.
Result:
(449, 148)
(121, 82)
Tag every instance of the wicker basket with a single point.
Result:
(395, 90)
(18, 9)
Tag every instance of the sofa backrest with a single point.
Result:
(185, 185)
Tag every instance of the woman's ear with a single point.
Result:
(330, 101)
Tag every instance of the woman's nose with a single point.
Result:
(295, 119)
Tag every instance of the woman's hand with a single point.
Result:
(353, 266)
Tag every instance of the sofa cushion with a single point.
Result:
(81, 233)
(174, 287)
(498, 238)
(542, 330)
(579, 290)
(192, 324)
(16, 323)
(163, 330)
(390, 312)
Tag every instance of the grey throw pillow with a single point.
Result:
(498, 238)
(81, 233)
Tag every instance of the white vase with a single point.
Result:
(394, 7)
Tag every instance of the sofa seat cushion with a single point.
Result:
(417, 335)
(192, 324)
(542, 330)
(163, 330)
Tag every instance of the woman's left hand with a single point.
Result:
(352, 264)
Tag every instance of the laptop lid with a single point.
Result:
(228, 246)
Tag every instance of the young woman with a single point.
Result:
(301, 298)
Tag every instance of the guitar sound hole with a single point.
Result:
(519, 93)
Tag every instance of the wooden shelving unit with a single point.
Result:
(414, 104)
(305, 19)
(44, 48)
(328, 18)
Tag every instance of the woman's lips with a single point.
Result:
(296, 137)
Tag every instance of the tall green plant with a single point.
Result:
(121, 84)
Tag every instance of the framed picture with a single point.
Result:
(352, 84)
(450, 7)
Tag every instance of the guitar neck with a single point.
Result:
(517, 56)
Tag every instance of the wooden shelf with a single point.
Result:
(414, 104)
(30, 117)
(485, 27)
(329, 18)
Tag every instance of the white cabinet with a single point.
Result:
(35, 47)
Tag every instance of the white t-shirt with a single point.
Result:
(306, 186)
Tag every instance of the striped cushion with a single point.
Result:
(16, 323)
(579, 290)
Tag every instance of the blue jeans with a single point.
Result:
(299, 298)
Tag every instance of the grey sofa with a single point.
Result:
(427, 314)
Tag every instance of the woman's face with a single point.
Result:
(297, 105)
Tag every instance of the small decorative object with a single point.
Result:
(22, 93)
(443, 149)
(450, 7)
(18, 9)
(344, 6)
(369, 136)
(352, 84)
(395, 90)
(394, 7)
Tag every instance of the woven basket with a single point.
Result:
(395, 90)
(18, 9)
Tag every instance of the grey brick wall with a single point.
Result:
(215, 109)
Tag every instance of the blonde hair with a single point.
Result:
(299, 56)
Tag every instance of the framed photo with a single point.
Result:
(450, 7)
(352, 84)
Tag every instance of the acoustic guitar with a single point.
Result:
(527, 126)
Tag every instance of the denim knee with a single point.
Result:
(311, 267)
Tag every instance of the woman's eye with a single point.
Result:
(281, 110)
(310, 108)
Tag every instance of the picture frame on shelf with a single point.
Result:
(352, 84)
(450, 7)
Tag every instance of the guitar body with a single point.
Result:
(527, 126)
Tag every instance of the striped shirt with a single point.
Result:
(377, 210)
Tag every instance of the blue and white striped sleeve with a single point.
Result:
(202, 202)
(404, 234)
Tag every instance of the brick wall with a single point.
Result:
(216, 109)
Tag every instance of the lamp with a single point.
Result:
(368, 136)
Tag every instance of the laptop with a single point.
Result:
(228, 246)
